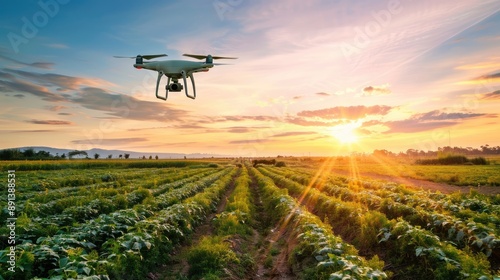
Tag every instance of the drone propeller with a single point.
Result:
(199, 56)
(149, 56)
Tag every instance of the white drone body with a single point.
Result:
(175, 70)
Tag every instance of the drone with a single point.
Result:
(175, 70)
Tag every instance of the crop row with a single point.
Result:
(462, 205)
(215, 255)
(416, 208)
(55, 201)
(31, 228)
(117, 243)
(418, 251)
(318, 253)
(67, 221)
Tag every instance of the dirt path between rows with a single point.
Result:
(423, 184)
(178, 266)
(272, 250)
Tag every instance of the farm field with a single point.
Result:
(458, 175)
(225, 219)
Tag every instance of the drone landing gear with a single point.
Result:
(192, 82)
(157, 84)
(175, 86)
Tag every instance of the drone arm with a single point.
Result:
(158, 84)
(185, 84)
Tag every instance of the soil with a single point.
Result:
(178, 264)
(272, 248)
(425, 185)
(268, 245)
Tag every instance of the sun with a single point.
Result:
(346, 133)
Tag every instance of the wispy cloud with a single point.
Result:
(239, 129)
(29, 131)
(294, 133)
(491, 95)
(50, 122)
(322, 94)
(57, 46)
(483, 79)
(376, 90)
(304, 122)
(15, 86)
(425, 121)
(347, 112)
(111, 141)
(62, 83)
(127, 107)
(38, 64)
(250, 141)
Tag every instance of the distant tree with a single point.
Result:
(63, 156)
(156, 157)
(150, 157)
(143, 157)
(77, 153)
(29, 153)
(185, 157)
(10, 154)
(43, 155)
(120, 156)
(110, 156)
(96, 156)
(127, 156)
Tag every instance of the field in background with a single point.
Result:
(460, 175)
(224, 219)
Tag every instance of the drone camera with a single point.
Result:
(138, 59)
(175, 87)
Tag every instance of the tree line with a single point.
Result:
(31, 154)
(483, 150)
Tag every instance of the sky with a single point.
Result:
(312, 78)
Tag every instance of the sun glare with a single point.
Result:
(346, 133)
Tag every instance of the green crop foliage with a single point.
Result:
(209, 256)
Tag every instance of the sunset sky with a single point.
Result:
(311, 78)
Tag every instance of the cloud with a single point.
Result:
(127, 107)
(349, 112)
(322, 94)
(29, 131)
(304, 122)
(487, 78)
(480, 65)
(40, 84)
(294, 133)
(437, 115)
(376, 90)
(425, 121)
(44, 93)
(51, 122)
(239, 119)
(492, 95)
(148, 128)
(188, 126)
(57, 108)
(110, 142)
(239, 129)
(41, 65)
(251, 141)
(61, 82)
(57, 46)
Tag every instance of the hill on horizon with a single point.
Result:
(104, 153)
